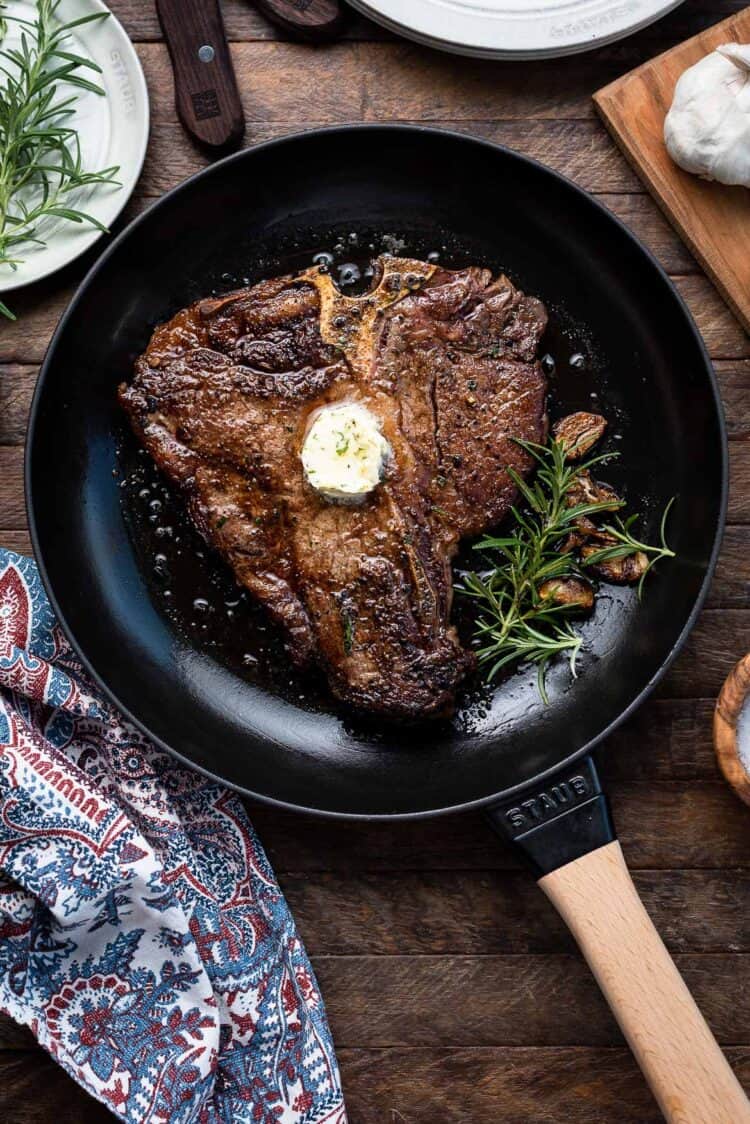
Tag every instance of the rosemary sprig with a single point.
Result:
(627, 544)
(517, 623)
(40, 154)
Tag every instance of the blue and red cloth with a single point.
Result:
(143, 936)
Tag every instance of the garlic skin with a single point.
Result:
(707, 129)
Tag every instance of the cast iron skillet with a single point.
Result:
(186, 675)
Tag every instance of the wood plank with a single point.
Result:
(16, 540)
(33, 1088)
(453, 1085)
(731, 585)
(739, 482)
(666, 825)
(397, 1001)
(711, 217)
(17, 383)
(734, 380)
(12, 506)
(502, 1085)
(738, 510)
(488, 913)
(399, 80)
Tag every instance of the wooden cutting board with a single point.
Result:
(714, 220)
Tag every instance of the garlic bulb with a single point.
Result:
(707, 129)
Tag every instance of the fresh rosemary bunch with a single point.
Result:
(40, 154)
(518, 622)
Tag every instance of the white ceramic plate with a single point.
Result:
(515, 29)
(112, 129)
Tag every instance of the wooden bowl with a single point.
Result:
(729, 706)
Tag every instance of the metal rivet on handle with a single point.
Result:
(206, 53)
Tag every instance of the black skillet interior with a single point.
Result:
(161, 622)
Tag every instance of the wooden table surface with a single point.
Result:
(453, 991)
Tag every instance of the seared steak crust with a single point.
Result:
(445, 360)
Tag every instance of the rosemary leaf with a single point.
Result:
(627, 544)
(41, 166)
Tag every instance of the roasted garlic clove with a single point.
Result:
(587, 490)
(578, 433)
(621, 571)
(573, 592)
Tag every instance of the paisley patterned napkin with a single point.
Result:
(143, 936)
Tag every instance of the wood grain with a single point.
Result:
(691, 1079)
(398, 81)
(16, 540)
(490, 912)
(17, 383)
(504, 1000)
(713, 219)
(503, 1085)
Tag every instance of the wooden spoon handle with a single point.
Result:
(206, 96)
(688, 1074)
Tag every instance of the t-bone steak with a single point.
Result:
(447, 363)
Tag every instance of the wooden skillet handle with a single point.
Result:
(688, 1074)
(206, 96)
(565, 831)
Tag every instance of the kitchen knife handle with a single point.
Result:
(206, 96)
(313, 20)
(681, 1060)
